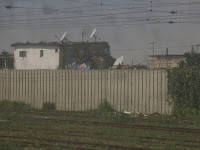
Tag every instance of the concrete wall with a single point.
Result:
(163, 63)
(50, 59)
(143, 91)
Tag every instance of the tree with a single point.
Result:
(191, 59)
(6, 57)
(184, 83)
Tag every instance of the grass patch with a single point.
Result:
(36, 131)
(10, 105)
(106, 113)
(10, 146)
(185, 112)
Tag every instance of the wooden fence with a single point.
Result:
(143, 91)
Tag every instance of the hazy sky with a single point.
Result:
(129, 25)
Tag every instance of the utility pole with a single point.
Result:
(153, 48)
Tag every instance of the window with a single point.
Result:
(41, 53)
(56, 50)
(22, 54)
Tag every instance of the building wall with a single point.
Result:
(159, 63)
(143, 91)
(50, 59)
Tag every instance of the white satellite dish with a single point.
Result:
(93, 33)
(62, 38)
(119, 61)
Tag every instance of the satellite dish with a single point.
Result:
(93, 33)
(62, 38)
(119, 61)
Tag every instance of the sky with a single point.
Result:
(130, 26)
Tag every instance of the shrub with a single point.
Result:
(184, 112)
(184, 85)
(49, 106)
(105, 107)
(7, 104)
(105, 112)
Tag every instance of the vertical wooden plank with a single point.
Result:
(43, 86)
(59, 89)
(108, 89)
(71, 93)
(28, 86)
(34, 88)
(19, 85)
(31, 87)
(1, 84)
(137, 90)
(114, 87)
(156, 90)
(24, 86)
(95, 88)
(151, 91)
(40, 89)
(62, 90)
(124, 90)
(118, 94)
(101, 89)
(147, 91)
(142, 91)
(49, 86)
(11, 85)
(159, 91)
(3, 89)
(129, 90)
(5, 84)
(74, 91)
(153, 111)
(167, 104)
(135, 83)
(83, 87)
(88, 74)
(69, 90)
(65, 91)
(91, 88)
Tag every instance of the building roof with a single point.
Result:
(55, 43)
(167, 56)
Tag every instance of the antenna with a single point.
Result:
(119, 61)
(93, 35)
(93, 32)
(62, 38)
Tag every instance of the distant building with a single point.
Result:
(164, 61)
(70, 55)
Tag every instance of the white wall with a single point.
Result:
(50, 59)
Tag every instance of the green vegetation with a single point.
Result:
(102, 128)
(10, 105)
(184, 85)
(49, 106)
(105, 112)
(8, 58)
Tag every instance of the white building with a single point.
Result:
(55, 55)
(36, 55)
